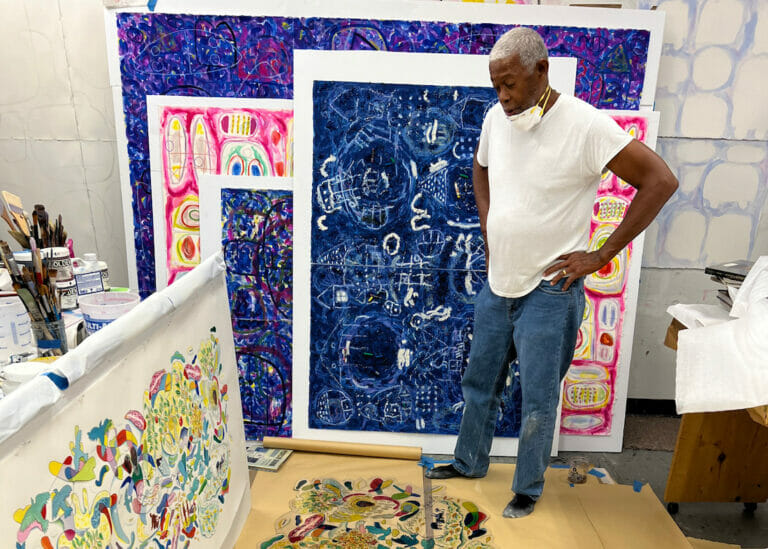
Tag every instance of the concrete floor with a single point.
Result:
(723, 522)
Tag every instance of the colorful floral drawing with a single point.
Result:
(376, 513)
(155, 478)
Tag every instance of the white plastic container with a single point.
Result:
(15, 329)
(102, 308)
(91, 275)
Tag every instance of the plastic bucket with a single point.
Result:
(102, 308)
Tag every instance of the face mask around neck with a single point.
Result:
(530, 118)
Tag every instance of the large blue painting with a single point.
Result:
(257, 239)
(397, 257)
(200, 55)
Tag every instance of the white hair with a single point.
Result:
(523, 42)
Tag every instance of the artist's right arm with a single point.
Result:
(482, 199)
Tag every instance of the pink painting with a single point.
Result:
(590, 386)
(196, 140)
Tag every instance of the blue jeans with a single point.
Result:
(540, 330)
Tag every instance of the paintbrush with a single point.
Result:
(10, 262)
(29, 302)
(7, 217)
(35, 234)
(20, 237)
(42, 218)
(29, 279)
(52, 273)
(16, 209)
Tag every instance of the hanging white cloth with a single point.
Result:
(724, 365)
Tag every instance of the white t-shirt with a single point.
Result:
(543, 185)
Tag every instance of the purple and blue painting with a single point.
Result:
(173, 54)
(397, 257)
(257, 239)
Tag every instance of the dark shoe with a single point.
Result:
(444, 471)
(520, 506)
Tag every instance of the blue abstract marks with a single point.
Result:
(264, 363)
(358, 37)
(333, 407)
(388, 347)
(397, 160)
(429, 131)
(397, 256)
(257, 228)
(205, 48)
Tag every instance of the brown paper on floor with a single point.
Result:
(704, 544)
(591, 515)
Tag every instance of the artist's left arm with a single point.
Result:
(649, 174)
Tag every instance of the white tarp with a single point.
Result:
(724, 366)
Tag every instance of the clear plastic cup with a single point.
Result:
(51, 337)
(102, 308)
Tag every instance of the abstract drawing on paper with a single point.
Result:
(257, 236)
(158, 473)
(251, 56)
(590, 389)
(397, 256)
(376, 512)
(196, 137)
(147, 447)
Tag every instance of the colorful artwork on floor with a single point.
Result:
(156, 475)
(251, 56)
(376, 513)
(590, 388)
(191, 138)
(256, 232)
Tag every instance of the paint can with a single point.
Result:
(67, 291)
(91, 275)
(58, 258)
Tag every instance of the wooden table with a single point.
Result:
(719, 456)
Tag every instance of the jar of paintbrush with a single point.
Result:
(36, 286)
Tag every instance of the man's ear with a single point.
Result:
(542, 67)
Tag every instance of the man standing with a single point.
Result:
(536, 171)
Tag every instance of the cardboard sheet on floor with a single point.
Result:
(704, 544)
(353, 509)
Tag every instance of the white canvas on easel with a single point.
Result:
(379, 68)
